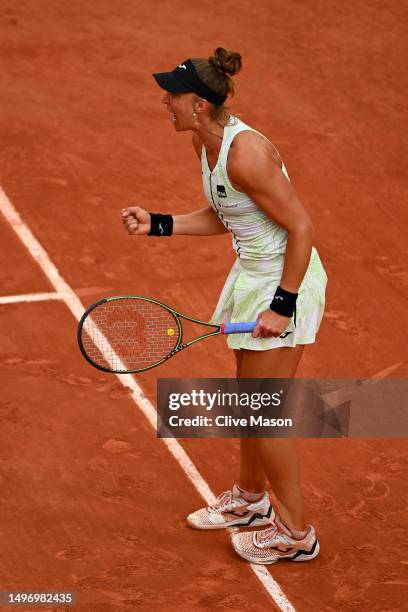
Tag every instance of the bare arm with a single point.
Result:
(253, 171)
(203, 222)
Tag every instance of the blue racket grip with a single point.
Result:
(237, 328)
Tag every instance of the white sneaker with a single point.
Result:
(275, 544)
(232, 510)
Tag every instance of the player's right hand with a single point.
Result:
(136, 220)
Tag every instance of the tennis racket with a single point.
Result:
(130, 334)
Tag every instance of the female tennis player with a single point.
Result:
(277, 280)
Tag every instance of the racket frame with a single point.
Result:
(180, 345)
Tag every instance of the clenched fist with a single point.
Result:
(136, 220)
(270, 324)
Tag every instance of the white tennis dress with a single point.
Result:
(260, 244)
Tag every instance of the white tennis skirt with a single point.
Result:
(249, 290)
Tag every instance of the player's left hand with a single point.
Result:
(270, 324)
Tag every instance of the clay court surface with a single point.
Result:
(91, 501)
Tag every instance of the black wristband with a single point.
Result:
(284, 302)
(160, 225)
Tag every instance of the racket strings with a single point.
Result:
(129, 334)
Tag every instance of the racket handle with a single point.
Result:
(237, 328)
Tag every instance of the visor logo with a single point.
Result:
(183, 66)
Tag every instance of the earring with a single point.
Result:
(194, 114)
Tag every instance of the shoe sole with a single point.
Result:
(299, 556)
(256, 520)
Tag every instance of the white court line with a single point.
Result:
(344, 394)
(75, 306)
(30, 297)
(386, 372)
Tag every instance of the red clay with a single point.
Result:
(90, 500)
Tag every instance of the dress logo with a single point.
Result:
(221, 191)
